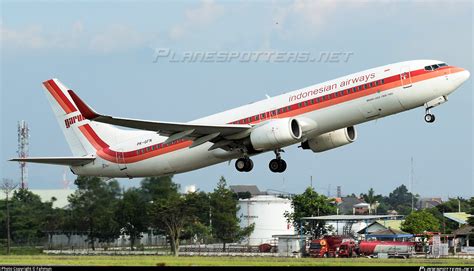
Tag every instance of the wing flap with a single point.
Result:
(63, 161)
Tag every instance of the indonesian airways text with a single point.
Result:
(331, 87)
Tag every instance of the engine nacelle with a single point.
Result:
(275, 134)
(331, 140)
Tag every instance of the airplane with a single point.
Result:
(320, 117)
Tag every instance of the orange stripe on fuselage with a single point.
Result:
(104, 151)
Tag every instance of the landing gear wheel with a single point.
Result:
(429, 117)
(282, 165)
(277, 165)
(248, 165)
(244, 164)
(274, 165)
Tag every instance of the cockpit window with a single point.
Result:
(435, 66)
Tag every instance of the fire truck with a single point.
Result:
(391, 248)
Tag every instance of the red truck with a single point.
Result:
(328, 246)
(391, 248)
(348, 249)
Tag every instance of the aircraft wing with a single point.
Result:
(174, 130)
(64, 161)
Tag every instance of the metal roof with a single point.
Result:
(458, 217)
(350, 217)
(390, 233)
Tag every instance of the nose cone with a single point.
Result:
(460, 77)
(464, 75)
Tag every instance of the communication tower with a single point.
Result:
(23, 146)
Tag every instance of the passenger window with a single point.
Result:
(383, 81)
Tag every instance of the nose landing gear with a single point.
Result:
(429, 117)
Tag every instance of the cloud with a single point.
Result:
(112, 38)
(116, 38)
(205, 14)
(312, 16)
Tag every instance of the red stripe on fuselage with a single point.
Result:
(104, 151)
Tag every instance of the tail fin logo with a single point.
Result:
(74, 119)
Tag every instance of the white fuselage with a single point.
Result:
(405, 85)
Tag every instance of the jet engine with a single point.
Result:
(275, 134)
(331, 140)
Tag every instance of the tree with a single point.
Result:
(451, 205)
(310, 203)
(7, 187)
(471, 211)
(131, 215)
(400, 200)
(28, 217)
(420, 221)
(93, 206)
(225, 223)
(200, 207)
(171, 214)
(158, 187)
(376, 202)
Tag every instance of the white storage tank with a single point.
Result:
(267, 212)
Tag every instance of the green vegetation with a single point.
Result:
(420, 221)
(310, 203)
(223, 261)
(225, 223)
(102, 211)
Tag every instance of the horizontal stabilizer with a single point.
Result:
(63, 161)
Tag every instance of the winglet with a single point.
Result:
(85, 110)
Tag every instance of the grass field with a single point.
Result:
(219, 261)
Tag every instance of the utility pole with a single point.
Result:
(411, 186)
(7, 186)
(311, 180)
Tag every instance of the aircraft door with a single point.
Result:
(405, 77)
(120, 158)
(407, 95)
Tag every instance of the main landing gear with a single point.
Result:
(277, 164)
(244, 164)
(429, 117)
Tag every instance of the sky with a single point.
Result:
(105, 51)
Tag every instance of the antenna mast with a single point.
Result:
(23, 150)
